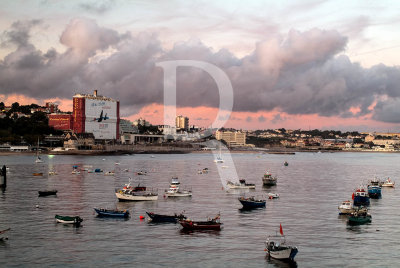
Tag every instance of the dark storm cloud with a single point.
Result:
(301, 73)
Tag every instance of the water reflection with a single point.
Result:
(280, 263)
(199, 232)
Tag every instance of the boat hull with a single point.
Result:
(165, 218)
(269, 182)
(247, 204)
(361, 201)
(178, 194)
(136, 197)
(112, 214)
(283, 254)
(193, 225)
(47, 193)
(68, 220)
(359, 220)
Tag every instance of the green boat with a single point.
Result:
(360, 216)
(68, 219)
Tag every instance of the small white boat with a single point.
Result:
(38, 159)
(109, 173)
(273, 195)
(240, 185)
(75, 172)
(175, 191)
(203, 171)
(388, 183)
(152, 156)
(219, 159)
(346, 208)
(51, 172)
(276, 248)
(117, 163)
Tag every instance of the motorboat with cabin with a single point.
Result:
(360, 197)
(374, 188)
(252, 202)
(240, 185)
(345, 208)
(269, 180)
(388, 183)
(276, 248)
(176, 191)
(136, 193)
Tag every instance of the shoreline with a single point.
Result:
(277, 151)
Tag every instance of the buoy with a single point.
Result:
(141, 217)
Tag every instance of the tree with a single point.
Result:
(15, 107)
(2, 106)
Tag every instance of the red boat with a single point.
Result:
(210, 224)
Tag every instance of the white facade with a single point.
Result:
(101, 117)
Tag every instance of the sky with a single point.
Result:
(292, 64)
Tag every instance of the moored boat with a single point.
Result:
(47, 192)
(360, 197)
(102, 212)
(109, 173)
(345, 208)
(273, 195)
(2, 234)
(175, 190)
(374, 188)
(360, 216)
(240, 185)
(252, 202)
(165, 218)
(268, 180)
(68, 219)
(38, 174)
(210, 224)
(137, 193)
(388, 183)
(51, 172)
(276, 248)
(286, 164)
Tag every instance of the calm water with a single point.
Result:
(311, 188)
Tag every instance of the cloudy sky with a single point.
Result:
(293, 64)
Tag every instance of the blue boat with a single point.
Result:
(102, 212)
(374, 189)
(251, 202)
(360, 197)
(98, 170)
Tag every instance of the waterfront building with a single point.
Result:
(96, 114)
(182, 123)
(61, 121)
(232, 138)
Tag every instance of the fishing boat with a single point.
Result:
(276, 248)
(102, 212)
(38, 174)
(268, 180)
(360, 216)
(38, 159)
(165, 218)
(175, 190)
(68, 219)
(51, 172)
(210, 224)
(141, 172)
(240, 185)
(360, 197)
(345, 208)
(109, 173)
(47, 192)
(137, 193)
(374, 188)
(2, 234)
(388, 183)
(203, 171)
(273, 195)
(98, 170)
(252, 202)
